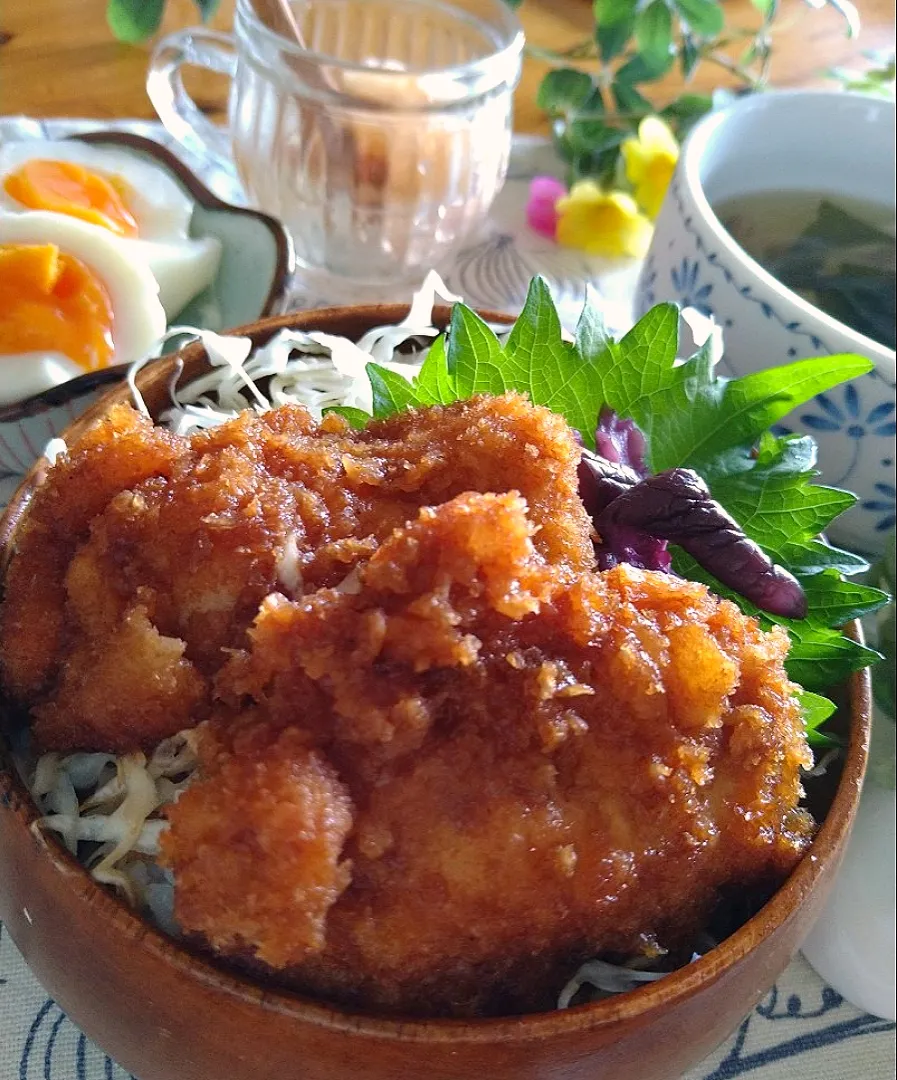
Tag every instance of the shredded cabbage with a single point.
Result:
(297, 367)
(609, 978)
(112, 804)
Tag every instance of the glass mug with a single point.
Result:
(380, 136)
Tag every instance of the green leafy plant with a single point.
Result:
(134, 21)
(877, 80)
(690, 417)
(597, 90)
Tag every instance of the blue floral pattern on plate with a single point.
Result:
(647, 297)
(756, 1044)
(847, 418)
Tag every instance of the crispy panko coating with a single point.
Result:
(281, 816)
(160, 548)
(539, 767)
(442, 760)
(118, 453)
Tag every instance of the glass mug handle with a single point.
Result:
(176, 109)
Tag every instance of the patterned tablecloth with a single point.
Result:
(803, 1029)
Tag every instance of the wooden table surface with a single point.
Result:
(58, 57)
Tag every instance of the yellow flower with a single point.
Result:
(650, 160)
(601, 222)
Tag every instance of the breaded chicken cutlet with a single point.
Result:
(146, 555)
(442, 761)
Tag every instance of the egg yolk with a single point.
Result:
(53, 302)
(67, 188)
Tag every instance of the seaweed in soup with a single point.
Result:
(840, 260)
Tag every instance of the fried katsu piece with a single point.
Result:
(279, 816)
(534, 767)
(442, 761)
(145, 555)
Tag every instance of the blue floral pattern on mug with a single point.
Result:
(878, 421)
(886, 506)
(849, 418)
(647, 279)
(685, 280)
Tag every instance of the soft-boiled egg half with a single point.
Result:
(131, 198)
(72, 299)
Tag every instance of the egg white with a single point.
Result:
(183, 265)
(24, 374)
(182, 268)
(138, 317)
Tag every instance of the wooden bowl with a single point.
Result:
(164, 1012)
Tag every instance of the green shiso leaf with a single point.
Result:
(816, 710)
(552, 371)
(823, 658)
(769, 492)
(832, 601)
(702, 415)
(391, 392)
(434, 384)
(356, 418)
(816, 555)
(693, 418)
(639, 368)
(473, 355)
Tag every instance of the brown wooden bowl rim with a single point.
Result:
(674, 988)
(284, 266)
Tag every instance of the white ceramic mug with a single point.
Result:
(830, 143)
